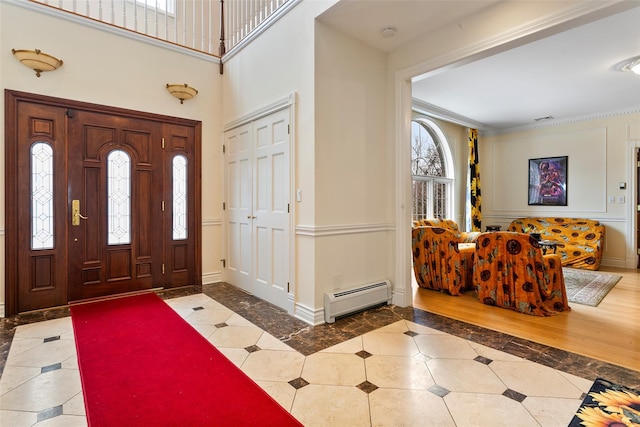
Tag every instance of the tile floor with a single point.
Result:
(403, 373)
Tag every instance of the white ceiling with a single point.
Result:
(568, 75)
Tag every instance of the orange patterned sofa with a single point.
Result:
(582, 239)
(511, 272)
(464, 236)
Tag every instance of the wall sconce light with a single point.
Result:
(37, 60)
(631, 64)
(182, 91)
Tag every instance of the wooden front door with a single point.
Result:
(115, 184)
(99, 202)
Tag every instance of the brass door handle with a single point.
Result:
(75, 213)
(251, 217)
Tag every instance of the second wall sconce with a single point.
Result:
(182, 91)
(37, 60)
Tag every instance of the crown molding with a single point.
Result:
(485, 130)
(422, 107)
(554, 123)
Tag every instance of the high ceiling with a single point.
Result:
(568, 75)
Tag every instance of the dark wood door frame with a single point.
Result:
(12, 102)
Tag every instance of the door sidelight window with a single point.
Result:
(179, 197)
(41, 196)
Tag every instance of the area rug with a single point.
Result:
(141, 364)
(588, 287)
(608, 404)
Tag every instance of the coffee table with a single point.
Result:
(549, 244)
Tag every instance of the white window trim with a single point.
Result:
(449, 177)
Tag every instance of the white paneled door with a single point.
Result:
(258, 207)
(239, 209)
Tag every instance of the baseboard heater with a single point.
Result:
(348, 301)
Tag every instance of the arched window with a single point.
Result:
(118, 198)
(432, 171)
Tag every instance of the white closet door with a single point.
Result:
(239, 182)
(271, 191)
(257, 214)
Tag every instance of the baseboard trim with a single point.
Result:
(308, 315)
(398, 297)
(209, 278)
(619, 263)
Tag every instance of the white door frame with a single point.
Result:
(631, 261)
(514, 37)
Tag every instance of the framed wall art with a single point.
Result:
(548, 181)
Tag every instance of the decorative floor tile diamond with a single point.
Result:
(367, 387)
(298, 383)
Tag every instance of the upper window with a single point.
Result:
(426, 152)
(168, 6)
(431, 168)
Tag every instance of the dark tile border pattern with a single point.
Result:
(308, 339)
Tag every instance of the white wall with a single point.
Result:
(276, 64)
(104, 68)
(598, 158)
(344, 218)
(354, 180)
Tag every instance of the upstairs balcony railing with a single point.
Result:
(242, 17)
(193, 24)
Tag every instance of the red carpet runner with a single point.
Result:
(141, 364)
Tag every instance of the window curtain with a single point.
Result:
(474, 198)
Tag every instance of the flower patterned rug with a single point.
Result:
(608, 404)
(588, 287)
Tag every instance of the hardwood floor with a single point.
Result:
(609, 332)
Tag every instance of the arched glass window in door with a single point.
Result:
(179, 197)
(431, 171)
(42, 235)
(118, 198)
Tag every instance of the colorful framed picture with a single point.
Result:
(548, 181)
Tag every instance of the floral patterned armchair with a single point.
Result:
(463, 236)
(438, 262)
(510, 271)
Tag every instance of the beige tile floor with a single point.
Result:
(403, 374)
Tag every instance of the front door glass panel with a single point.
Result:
(179, 197)
(118, 198)
(42, 236)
